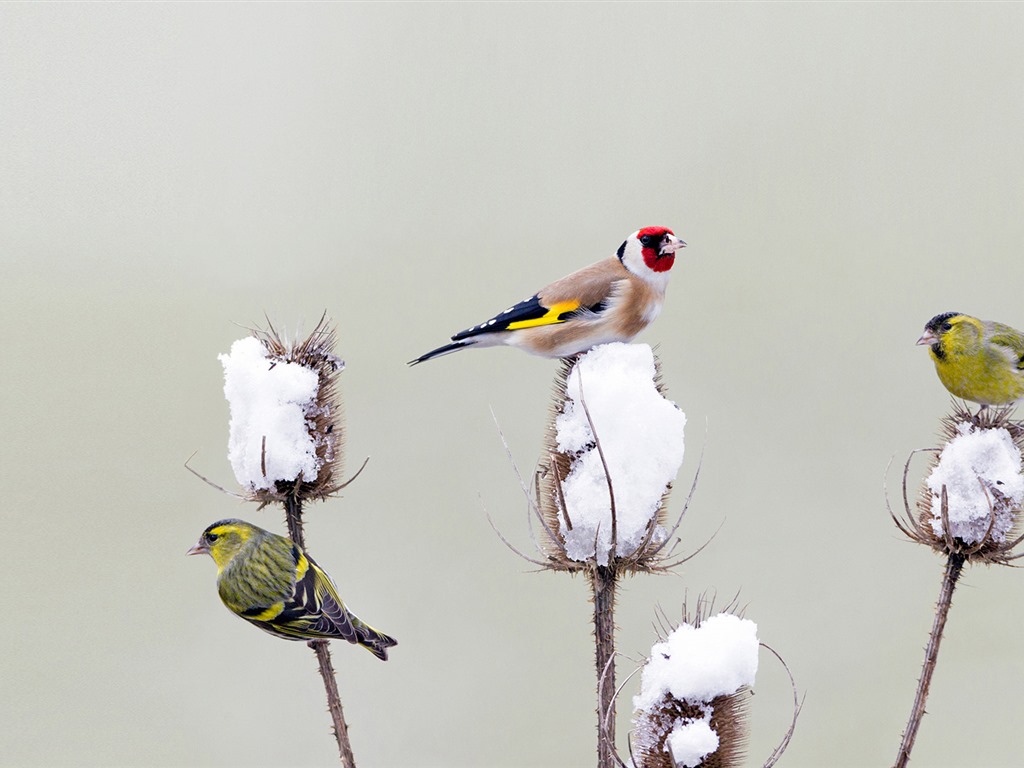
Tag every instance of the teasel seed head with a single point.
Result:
(969, 503)
(613, 446)
(692, 706)
(287, 435)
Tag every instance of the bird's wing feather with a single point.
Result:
(334, 619)
(589, 286)
(587, 290)
(1010, 340)
(314, 609)
(309, 611)
(526, 314)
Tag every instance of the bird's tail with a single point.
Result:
(375, 642)
(447, 349)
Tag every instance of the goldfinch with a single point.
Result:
(611, 300)
(977, 360)
(268, 581)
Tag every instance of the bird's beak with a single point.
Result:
(671, 245)
(199, 548)
(928, 337)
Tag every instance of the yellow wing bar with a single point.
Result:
(556, 314)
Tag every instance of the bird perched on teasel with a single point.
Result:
(270, 582)
(611, 300)
(977, 360)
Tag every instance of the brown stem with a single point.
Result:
(603, 583)
(323, 657)
(293, 518)
(954, 566)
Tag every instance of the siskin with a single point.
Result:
(268, 581)
(977, 360)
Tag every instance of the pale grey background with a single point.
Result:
(170, 172)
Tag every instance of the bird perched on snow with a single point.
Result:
(611, 300)
(268, 581)
(977, 360)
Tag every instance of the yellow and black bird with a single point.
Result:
(977, 360)
(270, 582)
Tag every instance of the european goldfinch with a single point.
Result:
(611, 300)
(268, 581)
(977, 360)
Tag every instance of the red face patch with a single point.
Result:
(654, 262)
(658, 263)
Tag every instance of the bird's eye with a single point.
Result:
(212, 537)
(646, 240)
(947, 326)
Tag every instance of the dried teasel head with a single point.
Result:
(613, 447)
(286, 436)
(692, 706)
(970, 501)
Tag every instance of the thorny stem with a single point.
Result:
(323, 657)
(293, 518)
(954, 566)
(603, 582)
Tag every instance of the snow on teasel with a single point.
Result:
(970, 501)
(284, 437)
(689, 711)
(980, 470)
(613, 391)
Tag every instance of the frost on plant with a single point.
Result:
(690, 709)
(615, 446)
(968, 510)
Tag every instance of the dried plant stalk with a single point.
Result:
(323, 659)
(555, 515)
(991, 548)
(954, 567)
(324, 423)
(603, 585)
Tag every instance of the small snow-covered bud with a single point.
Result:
(691, 707)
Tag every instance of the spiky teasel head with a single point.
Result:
(612, 449)
(692, 706)
(969, 504)
(286, 417)
(724, 716)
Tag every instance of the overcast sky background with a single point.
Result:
(172, 173)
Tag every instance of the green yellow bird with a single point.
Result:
(270, 582)
(977, 360)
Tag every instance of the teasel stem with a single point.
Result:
(322, 649)
(954, 566)
(323, 658)
(603, 582)
(293, 519)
